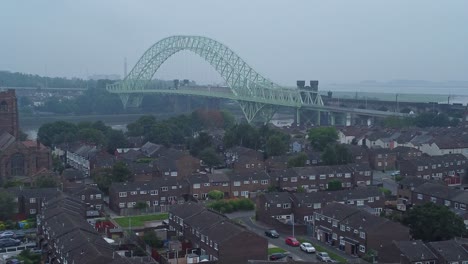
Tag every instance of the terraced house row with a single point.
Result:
(171, 190)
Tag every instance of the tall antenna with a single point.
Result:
(125, 68)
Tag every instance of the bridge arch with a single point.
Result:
(255, 93)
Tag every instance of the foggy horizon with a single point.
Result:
(333, 42)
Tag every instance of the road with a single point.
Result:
(386, 179)
(295, 252)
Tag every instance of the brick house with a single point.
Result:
(81, 158)
(305, 204)
(277, 162)
(156, 194)
(91, 196)
(407, 153)
(277, 205)
(318, 177)
(242, 159)
(382, 159)
(176, 163)
(30, 201)
(407, 252)
(248, 183)
(201, 184)
(216, 236)
(450, 168)
(354, 230)
(65, 236)
(406, 187)
(360, 154)
(456, 200)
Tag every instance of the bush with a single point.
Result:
(216, 195)
(229, 206)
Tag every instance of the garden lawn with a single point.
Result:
(275, 250)
(139, 220)
(318, 248)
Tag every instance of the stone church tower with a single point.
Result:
(9, 113)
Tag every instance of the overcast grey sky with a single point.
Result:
(283, 40)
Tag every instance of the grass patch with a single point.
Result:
(275, 250)
(332, 255)
(139, 220)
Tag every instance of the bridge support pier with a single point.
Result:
(298, 116)
(349, 119)
(318, 118)
(129, 100)
(332, 118)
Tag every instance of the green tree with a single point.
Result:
(56, 133)
(92, 136)
(115, 139)
(103, 178)
(334, 185)
(152, 239)
(298, 161)
(27, 257)
(120, 172)
(7, 205)
(201, 142)
(215, 195)
(336, 154)
(46, 181)
(431, 222)
(322, 136)
(276, 146)
(210, 158)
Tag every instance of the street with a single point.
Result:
(386, 179)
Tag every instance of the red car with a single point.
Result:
(292, 241)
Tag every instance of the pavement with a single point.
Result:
(386, 179)
(295, 252)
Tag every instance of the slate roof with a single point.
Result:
(150, 149)
(338, 196)
(72, 174)
(6, 139)
(255, 175)
(415, 250)
(277, 197)
(449, 250)
(186, 210)
(442, 191)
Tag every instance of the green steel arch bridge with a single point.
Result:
(256, 95)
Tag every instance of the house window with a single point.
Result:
(122, 194)
(17, 165)
(246, 182)
(379, 164)
(143, 192)
(245, 193)
(293, 179)
(312, 177)
(196, 186)
(362, 248)
(331, 175)
(247, 166)
(32, 200)
(225, 184)
(285, 179)
(216, 246)
(121, 205)
(237, 183)
(347, 175)
(317, 205)
(342, 227)
(131, 204)
(359, 202)
(32, 211)
(155, 203)
(154, 192)
(420, 168)
(286, 206)
(447, 203)
(317, 217)
(98, 196)
(335, 236)
(335, 223)
(83, 197)
(255, 182)
(195, 195)
(433, 199)
(236, 193)
(362, 235)
(323, 177)
(278, 205)
(371, 199)
(348, 228)
(164, 189)
(264, 182)
(133, 193)
(463, 206)
(367, 173)
(420, 196)
(456, 205)
(174, 187)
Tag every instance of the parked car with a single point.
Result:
(307, 247)
(292, 241)
(396, 173)
(271, 233)
(7, 234)
(13, 261)
(277, 256)
(323, 256)
(19, 234)
(9, 242)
